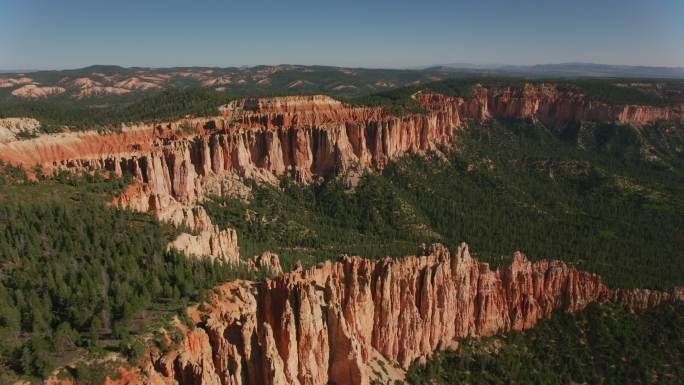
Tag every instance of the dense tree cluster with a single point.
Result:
(172, 103)
(510, 186)
(615, 92)
(317, 223)
(516, 186)
(398, 101)
(182, 98)
(600, 345)
(74, 271)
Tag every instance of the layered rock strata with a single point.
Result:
(323, 325)
(552, 107)
(178, 164)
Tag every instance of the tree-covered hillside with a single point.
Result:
(164, 94)
(605, 198)
(600, 345)
(588, 198)
(77, 276)
(612, 91)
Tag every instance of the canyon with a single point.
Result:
(178, 164)
(326, 324)
(332, 322)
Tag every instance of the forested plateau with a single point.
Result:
(107, 237)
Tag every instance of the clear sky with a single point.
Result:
(53, 34)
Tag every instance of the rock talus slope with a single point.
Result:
(323, 325)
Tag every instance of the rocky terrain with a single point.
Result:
(12, 128)
(33, 91)
(179, 163)
(324, 325)
(329, 323)
(103, 81)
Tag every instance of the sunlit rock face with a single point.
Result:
(178, 164)
(324, 324)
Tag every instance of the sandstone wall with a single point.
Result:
(178, 164)
(323, 325)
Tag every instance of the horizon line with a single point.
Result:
(454, 65)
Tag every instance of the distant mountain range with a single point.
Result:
(107, 81)
(566, 70)
(16, 71)
(114, 81)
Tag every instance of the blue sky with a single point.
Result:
(52, 34)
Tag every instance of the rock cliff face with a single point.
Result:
(267, 261)
(322, 325)
(551, 107)
(179, 163)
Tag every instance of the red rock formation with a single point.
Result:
(267, 261)
(305, 133)
(552, 107)
(323, 325)
(300, 136)
(178, 164)
(261, 139)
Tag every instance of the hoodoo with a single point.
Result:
(324, 324)
(175, 221)
(179, 163)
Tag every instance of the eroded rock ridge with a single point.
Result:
(322, 325)
(180, 163)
